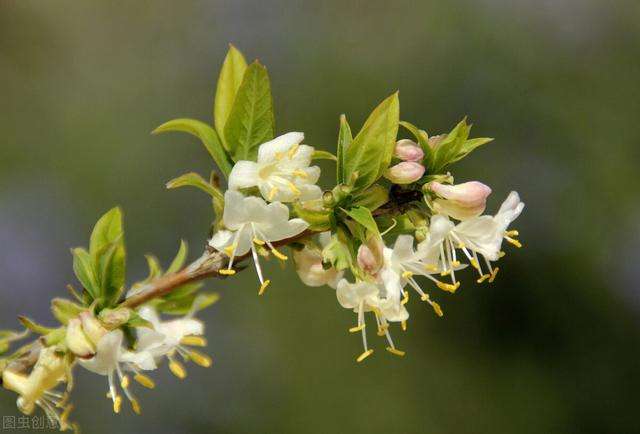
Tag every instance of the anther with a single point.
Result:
(407, 275)
(357, 329)
(263, 287)
(396, 351)
(364, 355)
(194, 341)
(200, 359)
(448, 287)
(272, 193)
(227, 272)
(145, 381)
(124, 383)
(117, 404)
(494, 273)
(278, 254)
(483, 278)
(437, 309)
(258, 241)
(403, 324)
(177, 369)
(136, 407)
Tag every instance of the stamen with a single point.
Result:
(278, 254)
(513, 233)
(145, 381)
(258, 241)
(117, 404)
(405, 300)
(431, 267)
(200, 359)
(494, 273)
(263, 287)
(407, 274)
(300, 173)
(455, 263)
(136, 407)
(448, 287)
(293, 150)
(272, 193)
(293, 188)
(177, 369)
(396, 351)
(364, 355)
(357, 329)
(501, 253)
(437, 309)
(227, 272)
(483, 278)
(474, 264)
(515, 242)
(194, 341)
(403, 324)
(124, 382)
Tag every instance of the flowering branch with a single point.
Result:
(393, 221)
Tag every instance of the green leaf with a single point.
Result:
(470, 145)
(179, 260)
(207, 136)
(319, 219)
(155, 269)
(323, 155)
(192, 179)
(7, 337)
(229, 81)
(63, 309)
(187, 304)
(337, 253)
(108, 256)
(344, 140)
(135, 320)
(451, 146)
(423, 140)
(372, 198)
(363, 216)
(35, 327)
(370, 152)
(107, 230)
(84, 270)
(251, 120)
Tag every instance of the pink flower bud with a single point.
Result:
(405, 172)
(434, 141)
(461, 201)
(371, 255)
(408, 150)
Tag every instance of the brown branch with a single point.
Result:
(208, 265)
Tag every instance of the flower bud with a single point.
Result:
(310, 269)
(408, 150)
(92, 327)
(405, 172)
(460, 201)
(434, 141)
(77, 340)
(114, 318)
(371, 256)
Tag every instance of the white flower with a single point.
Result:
(362, 297)
(251, 221)
(310, 268)
(402, 263)
(479, 238)
(36, 388)
(282, 172)
(112, 358)
(170, 337)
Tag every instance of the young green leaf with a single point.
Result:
(108, 256)
(34, 326)
(229, 82)
(84, 270)
(207, 136)
(451, 146)
(63, 310)
(372, 198)
(192, 179)
(363, 216)
(107, 230)
(344, 140)
(179, 260)
(251, 120)
(370, 152)
(323, 155)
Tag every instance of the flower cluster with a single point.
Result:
(394, 223)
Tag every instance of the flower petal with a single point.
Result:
(243, 175)
(268, 150)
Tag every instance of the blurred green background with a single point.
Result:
(551, 347)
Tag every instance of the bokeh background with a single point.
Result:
(551, 347)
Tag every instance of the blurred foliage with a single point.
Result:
(550, 347)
